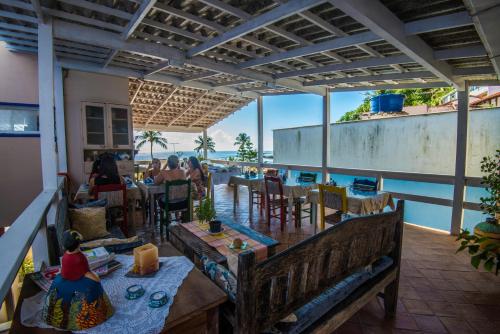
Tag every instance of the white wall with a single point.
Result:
(423, 143)
(20, 167)
(86, 87)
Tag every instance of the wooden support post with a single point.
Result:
(60, 124)
(325, 147)
(47, 132)
(205, 147)
(460, 159)
(260, 132)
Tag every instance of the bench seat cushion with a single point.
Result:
(315, 309)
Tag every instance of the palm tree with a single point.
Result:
(210, 144)
(153, 137)
(245, 147)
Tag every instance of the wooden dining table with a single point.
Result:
(358, 202)
(195, 308)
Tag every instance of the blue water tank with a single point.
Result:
(391, 102)
(375, 104)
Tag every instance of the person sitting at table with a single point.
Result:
(172, 173)
(95, 168)
(195, 173)
(107, 174)
(154, 170)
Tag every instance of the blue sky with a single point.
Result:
(279, 112)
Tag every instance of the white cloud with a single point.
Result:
(223, 140)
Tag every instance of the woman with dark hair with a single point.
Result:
(195, 172)
(95, 168)
(107, 173)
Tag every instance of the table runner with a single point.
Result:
(222, 241)
(131, 316)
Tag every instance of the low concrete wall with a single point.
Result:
(422, 143)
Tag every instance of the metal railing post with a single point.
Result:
(325, 147)
(260, 132)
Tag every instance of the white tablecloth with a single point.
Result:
(131, 316)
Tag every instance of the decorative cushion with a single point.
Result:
(220, 276)
(90, 204)
(90, 222)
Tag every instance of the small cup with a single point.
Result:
(134, 291)
(158, 299)
(215, 226)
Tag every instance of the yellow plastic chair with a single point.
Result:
(340, 191)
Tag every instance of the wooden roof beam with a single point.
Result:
(182, 113)
(210, 111)
(290, 8)
(379, 19)
(377, 77)
(161, 105)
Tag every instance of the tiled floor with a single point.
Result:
(439, 291)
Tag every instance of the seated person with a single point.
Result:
(172, 173)
(154, 170)
(198, 178)
(95, 168)
(76, 292)
(107, 174)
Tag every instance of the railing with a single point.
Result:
(380, 175)
(18, 239)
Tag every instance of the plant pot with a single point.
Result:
(215, 226)
(489, 228)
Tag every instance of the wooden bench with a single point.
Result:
(323, 280)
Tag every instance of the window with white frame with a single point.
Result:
(18, 117)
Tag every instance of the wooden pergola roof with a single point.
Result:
(200, 60)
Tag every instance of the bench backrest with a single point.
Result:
(269, 291)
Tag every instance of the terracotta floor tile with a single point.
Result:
(442, 308)
(429, 323)
(457, 326)
(415, 306)
(435, 283)
(404, 321)
(349, 328)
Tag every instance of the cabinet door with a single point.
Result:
(120, 126)
(94, 125)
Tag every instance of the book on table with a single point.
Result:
(100, 262)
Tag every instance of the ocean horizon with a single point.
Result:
(218, 155)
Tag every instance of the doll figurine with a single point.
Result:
(76, 299)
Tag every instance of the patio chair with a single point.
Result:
(334, 198)
(365, 184)
(177, 199)
(116, 197)
(258, 195)
(275, 200)
(307, 177)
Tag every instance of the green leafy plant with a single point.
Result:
(205, 212)
(490, 165)
(153, 137)
(481, 250)
(210, 144)
(246, 151)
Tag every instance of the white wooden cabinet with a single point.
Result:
(106, 126)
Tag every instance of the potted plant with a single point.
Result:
(206, 213)
(484, 244)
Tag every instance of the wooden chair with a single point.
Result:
(177, 198)
(276, 200)
(334, 198)
(116, 197)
